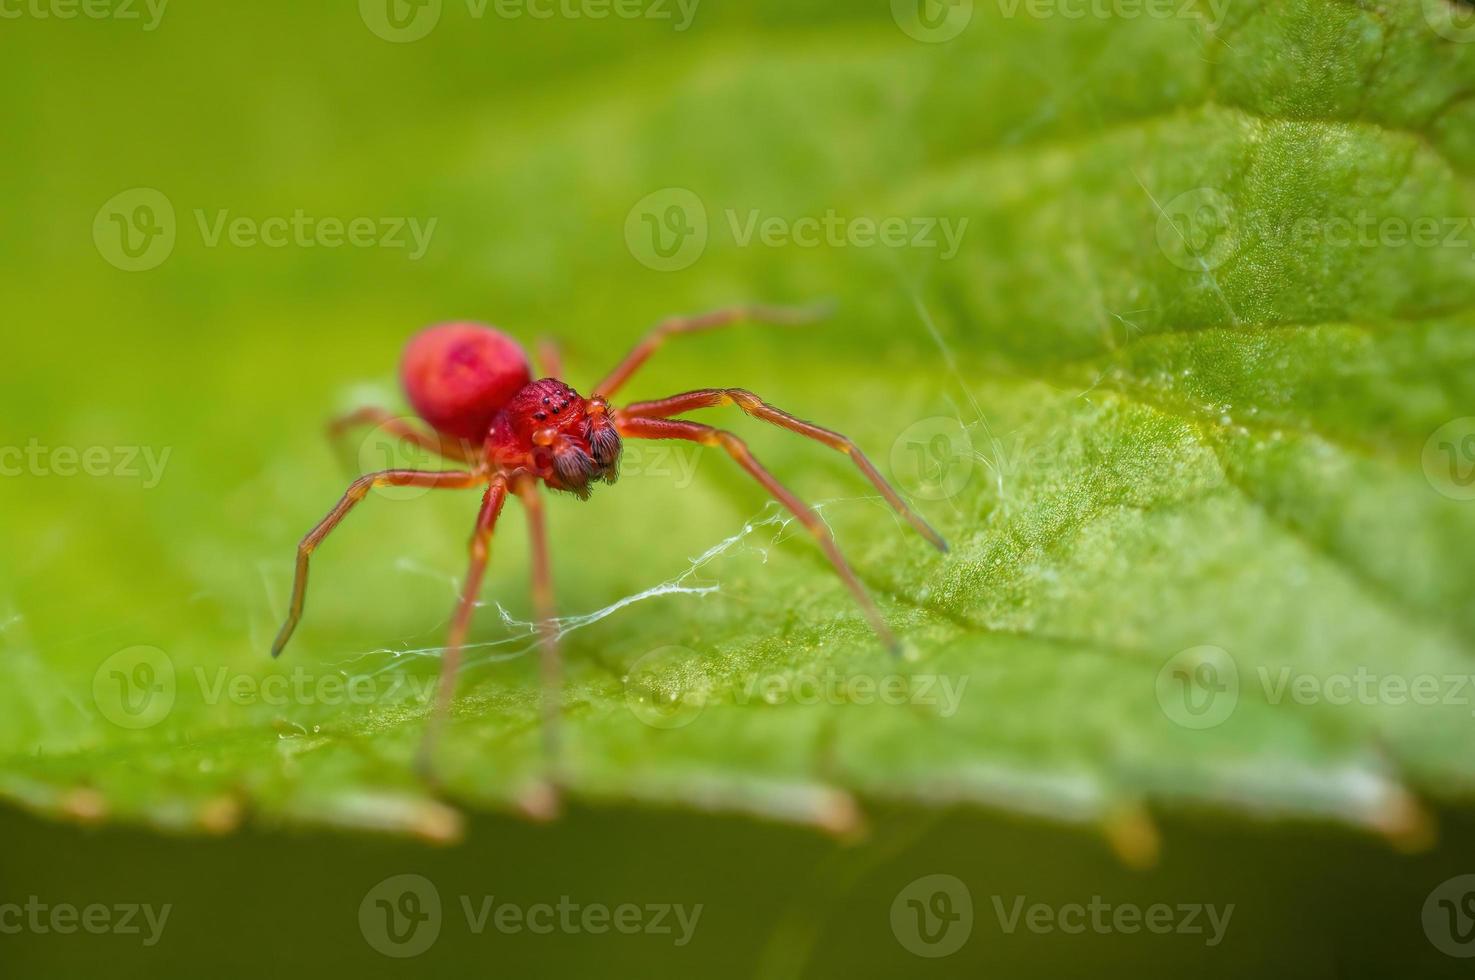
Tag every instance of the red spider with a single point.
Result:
(474, 387)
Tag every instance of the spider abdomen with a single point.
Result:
(458, 376)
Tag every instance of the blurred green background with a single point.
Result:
(1173, 442)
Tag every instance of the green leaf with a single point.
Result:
(1189, 400)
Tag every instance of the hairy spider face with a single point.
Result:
(563, 438)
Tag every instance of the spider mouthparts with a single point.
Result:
(574, 468)
(604, 442)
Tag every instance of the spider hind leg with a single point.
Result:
(357, 491)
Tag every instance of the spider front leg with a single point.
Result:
(649, 428)
(357, 491)
(450, 665)
(758, 408)
(544, 609)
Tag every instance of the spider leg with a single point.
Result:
(400, 428)
(544, 609)
(357, 491)
(550, 358)
(699, 324)
(758, 408)
(648, 428)
(450, 665)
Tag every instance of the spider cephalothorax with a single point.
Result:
(474, 387)
(564, 439)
